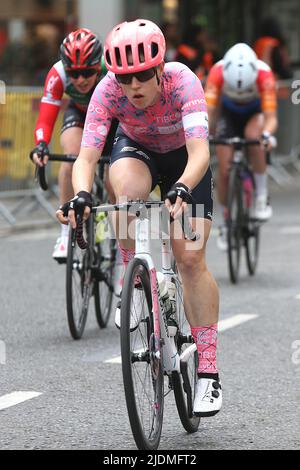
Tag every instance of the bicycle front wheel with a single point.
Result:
(252, 246)
(104, 279)
(234, 223)
(79, 286)
(184, 384)
(142, 370)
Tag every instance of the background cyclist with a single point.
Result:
(163, 130)
(76, 74)
(241, 98)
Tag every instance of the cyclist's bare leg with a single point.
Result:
(130, 179)
(108, 186)
(224, 155)
(201, 294)
(70, 141)
(253, 130)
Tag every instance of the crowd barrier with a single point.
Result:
(19, 114)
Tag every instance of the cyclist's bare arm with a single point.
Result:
(270, 122)
(82, 179)
(198, 162)
(197, 165)
(212, 118)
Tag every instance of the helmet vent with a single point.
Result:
(108, 59)
(141, 52)
(77, 57)
(118, 56)
(129, 55)
(154, 49)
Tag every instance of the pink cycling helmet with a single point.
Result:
(134, 46)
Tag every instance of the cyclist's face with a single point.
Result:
(143, 94)
(84, 84)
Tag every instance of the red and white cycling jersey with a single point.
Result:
(57, 83)
(264, 89)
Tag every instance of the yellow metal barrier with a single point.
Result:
(18, 117)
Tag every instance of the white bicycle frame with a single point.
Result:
(171, 359)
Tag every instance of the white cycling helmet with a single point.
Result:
(240, 67)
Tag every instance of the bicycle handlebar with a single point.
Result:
(238, 143)
(140, 206)
(81, 242)
(40, 172)
(235, 141)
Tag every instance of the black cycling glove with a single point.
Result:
(179, 190)
(78, 203)
(41, 149)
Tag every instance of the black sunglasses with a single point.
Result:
(85, 73)
(144, 76)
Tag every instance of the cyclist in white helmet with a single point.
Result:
(240, 91)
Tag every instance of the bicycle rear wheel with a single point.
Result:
(234, 223)
(184, 384)
(79, 286)
(142, 371)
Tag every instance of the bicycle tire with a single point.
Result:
(252, 246)
(146, 429)
(104, 278)
(184, 384)
(234, 223)
(106, 258)
(78, 287)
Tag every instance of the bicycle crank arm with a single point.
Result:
(188, 352)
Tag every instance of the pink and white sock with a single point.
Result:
(205, 338)
(127, 255)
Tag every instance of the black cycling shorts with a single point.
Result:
(232, 124)
(74, 117)
(166, 169)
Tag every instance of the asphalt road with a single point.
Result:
(81, 401)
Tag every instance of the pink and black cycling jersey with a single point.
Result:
(179, 114)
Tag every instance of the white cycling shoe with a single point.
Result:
(263, 211)
(136, 310)
(208, 397)
(61, 249)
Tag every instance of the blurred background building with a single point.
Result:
(31, 30)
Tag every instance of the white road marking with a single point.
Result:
(235, 320)
(31, 235)
(290, 230)
(14, 398)
(225, 324)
